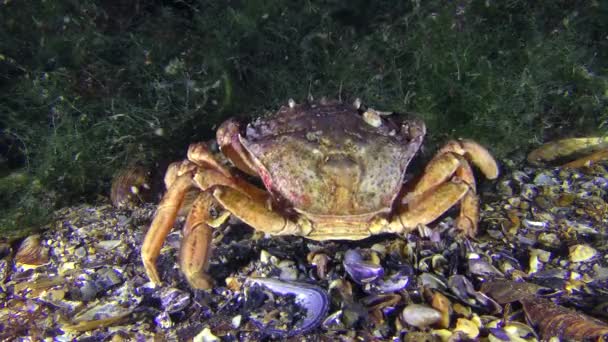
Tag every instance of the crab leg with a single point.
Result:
(199, 154)
(437, 172)
(256, 214)
(474, 152)
(210, 178)
(469, 214)
(428, 208)
(217, 174)
(231, 147)
(163, 222)
(430, 198)
(196, 243)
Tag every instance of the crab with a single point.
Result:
(330, 171)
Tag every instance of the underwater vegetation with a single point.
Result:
(89, 88)
(98, 98)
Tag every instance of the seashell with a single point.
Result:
(529, 191)
(520, 176)
(333, 321)
(288, 270)
(109, 244)
(380, 301)
(567, 324)
(545, 179)
(580, 253)
(443, 305)
(505, 188)
(5, 269)
(482, 267)
(550, 240)
(312, 298)
(498, 334)
(468, 327)
(519, 330)
(464, 290)
(236, 321)
(321, 262)
(580, 227)
(420, 316)
(163, 320)
(360, 271)
(393, 283)
(107, 277)
(31, 252)
(432, 281)
(130, 187)
(534, 225)
(174, 300)
(98, 316)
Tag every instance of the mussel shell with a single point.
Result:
(360, 271)
(313, 298)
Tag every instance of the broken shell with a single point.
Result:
(360, 271)
(432, 281)
(101, 315)
(312, 298)
(395, 282)
(443, 305)
(320, 261)
(579, 253)
(482, 267)
(174, 300)
(130, 186)
(32, 252)
(468, 327)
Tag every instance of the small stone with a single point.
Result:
(80, 252)
(420, 316)
(205, 336)
(580, 253)
(236, 321)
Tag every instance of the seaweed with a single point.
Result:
(88, 88)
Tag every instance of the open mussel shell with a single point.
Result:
(312, 298)
(394, 282)
(464, 290)
(360, 271)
